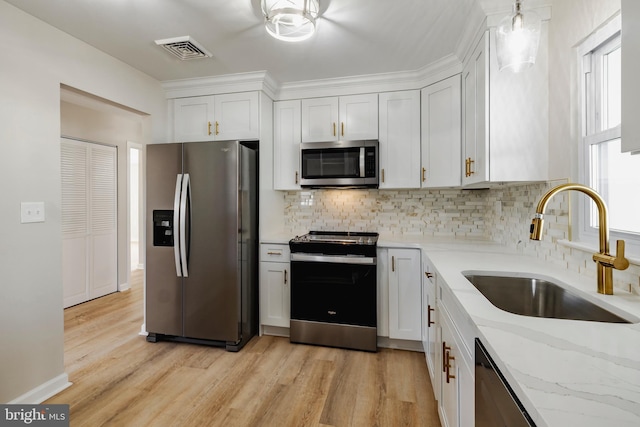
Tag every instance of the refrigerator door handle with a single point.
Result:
(184, 198)
(176, 221)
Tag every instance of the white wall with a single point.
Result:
(571, 22)
(36, 59)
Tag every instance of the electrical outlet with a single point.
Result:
(31, 212)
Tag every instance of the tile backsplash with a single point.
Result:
(502, 213)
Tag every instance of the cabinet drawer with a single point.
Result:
(274, 252)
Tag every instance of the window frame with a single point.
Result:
(602, 40)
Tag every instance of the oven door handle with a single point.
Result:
(334, 259)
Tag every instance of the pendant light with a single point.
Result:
(517, 39)
(290, 20)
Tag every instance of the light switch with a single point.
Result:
(31, 212)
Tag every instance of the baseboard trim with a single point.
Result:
(43, 391)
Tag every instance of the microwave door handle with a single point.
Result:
(176, 221)
(362, 174)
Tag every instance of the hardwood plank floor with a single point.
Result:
(119, 379)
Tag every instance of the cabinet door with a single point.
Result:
(475, 110)
(193, 119)
(430, 337)
(319, 119)
(358, 117)
(400, 139)
(286, 145)
(274, 294)
(236, 116)
(405, 301)
(456, 405)
(441, 134)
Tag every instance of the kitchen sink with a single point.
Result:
(539, 298)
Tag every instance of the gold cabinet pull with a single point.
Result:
(393, 263)
(208, 128)
(334, 128)
(467, 167)
(382, 175)
(285, 277)
(217, 128)
(429, 275)
(342, 128)
(274, 253)
(429, 321)
(447, 358)
(296, 177)
(424, 171)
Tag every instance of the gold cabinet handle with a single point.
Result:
(342, 128)
(424, 171)
(285, 277)
(382, 175)
(393, 263)
(334, 128)
(217, 128)
(429, 275)
(208, 128)
(467, 167)
(274, 253)
(296, 177)
(429, 321)
(447, 358)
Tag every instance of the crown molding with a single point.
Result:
(372, 83)
(228, 83)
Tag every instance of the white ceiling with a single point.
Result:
(354, 37)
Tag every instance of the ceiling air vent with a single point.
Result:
(184, 48)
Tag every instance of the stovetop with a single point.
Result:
(339, 237)
(335, 243)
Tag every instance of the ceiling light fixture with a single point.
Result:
(517, 39)
(290, 20)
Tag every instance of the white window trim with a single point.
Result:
(587, 237)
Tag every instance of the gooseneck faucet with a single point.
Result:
(604, 260)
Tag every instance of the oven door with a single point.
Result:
(334, 289)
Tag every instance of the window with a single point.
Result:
(614, 175)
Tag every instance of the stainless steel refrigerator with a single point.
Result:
(201, 250)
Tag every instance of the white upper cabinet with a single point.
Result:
(630, 72)
(400, 139)
(344, 118)
(441, 134)
(505, 118)
(217, 117)
(286, 145)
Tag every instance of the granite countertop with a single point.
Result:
(565, 372)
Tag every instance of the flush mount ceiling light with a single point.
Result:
(517, 39)
(290, 20)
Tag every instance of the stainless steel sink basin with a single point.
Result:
(539, 298)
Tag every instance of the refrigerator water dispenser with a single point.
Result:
(163, 228)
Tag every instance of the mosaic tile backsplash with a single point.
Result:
(501, 214)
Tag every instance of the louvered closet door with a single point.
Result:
(88, 220)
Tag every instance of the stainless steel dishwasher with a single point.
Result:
(496, 403)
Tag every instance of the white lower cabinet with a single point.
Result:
(456, 405)
(430, 326)
(405, 300)
(275, 274)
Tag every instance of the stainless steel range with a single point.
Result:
(333, 289)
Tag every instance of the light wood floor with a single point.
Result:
(119, 379)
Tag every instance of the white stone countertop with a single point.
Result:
(565, 372)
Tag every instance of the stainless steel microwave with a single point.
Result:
(351, 164)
